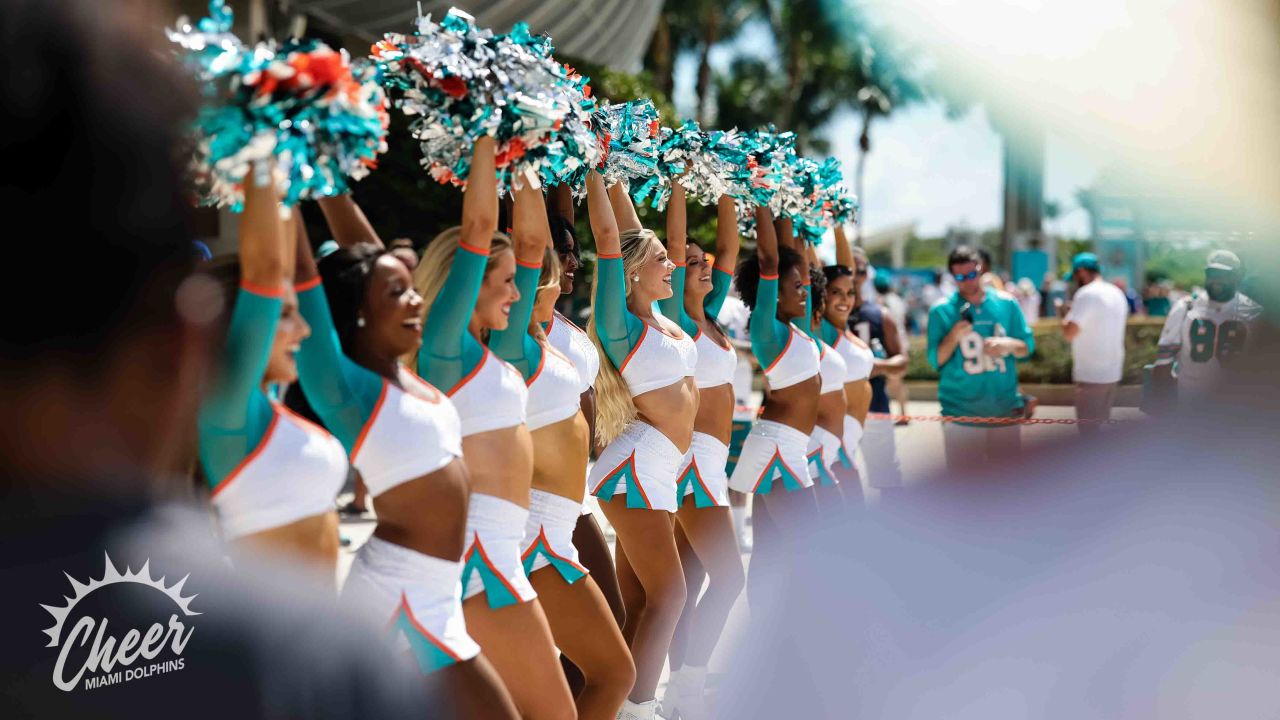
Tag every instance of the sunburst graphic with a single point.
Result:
(111, 576)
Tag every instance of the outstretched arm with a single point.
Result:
(480, 201)
(531, 236)
(844, 251)
(727, 244)
(677, 236)
(347, 221)
(604, 224)
(623, 209)
(766, 243)
(613, 321)
(560, 201)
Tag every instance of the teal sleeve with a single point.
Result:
(342, 392)
(514, 344)
(236, 414)
(714, 301)
(1019, 328)
(828, 332)
(673, 307)
(939, 325)
(446, 356)
(769, 336)
(618, 328)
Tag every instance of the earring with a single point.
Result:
(359, 322)
(635, 278)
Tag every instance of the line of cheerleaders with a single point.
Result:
(469, 406)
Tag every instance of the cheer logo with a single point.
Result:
(112, 659)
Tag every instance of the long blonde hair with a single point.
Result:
(433, 269)
(614, 406)
(549, 278)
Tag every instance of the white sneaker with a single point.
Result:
(639, 711)
(686, 698)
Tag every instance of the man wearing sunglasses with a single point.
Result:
(1203, 335)
(975, 339)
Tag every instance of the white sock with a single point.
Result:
(676, 681)
(695, 679)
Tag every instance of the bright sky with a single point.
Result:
(927, 169)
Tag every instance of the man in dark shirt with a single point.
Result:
(118, 603)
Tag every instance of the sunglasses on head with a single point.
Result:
(967, 276)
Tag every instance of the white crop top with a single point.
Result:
(716, 363)
(407, 436)
(833, 370)
(554, 390)
(797, 362)
(659, 360)
(858, 360)
(577, 346)
(492, 397)
(295, 472)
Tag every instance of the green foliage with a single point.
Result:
(1051, 362)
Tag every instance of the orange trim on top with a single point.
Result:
(304, 423)
(262, 445)
(484, 558)
(408, 612)
(474, 371)
(436, 395)
(632, 354)
(262, 290)
(717, 268)
(764, 276)
(368, 424)
(678, 264)
(609, 256)
(537, 265)
(785, 348)
(306, 285)
(483, 252)
(542, 361)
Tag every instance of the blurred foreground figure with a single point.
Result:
(118, 606)
(1129, 574)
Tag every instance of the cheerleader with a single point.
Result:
(403, 436)
(467, 282)
(646, 404)
(704, 526)
(825, 442)
(842, 296)
(272, 475)
(582, 624)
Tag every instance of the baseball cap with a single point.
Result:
(1223, 260)
(1086, 260)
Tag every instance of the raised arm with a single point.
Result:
(615, 325)
(727, 245)
(257, 312)
(769, 336)
(787, 238)
(560, 201)
(844, 251)
(531, 235)
(342, 393)
(347, 221)
(677, 236)
(623, 208)
(766, 243)
(444, 332)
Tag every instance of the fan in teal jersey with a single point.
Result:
(975, 340)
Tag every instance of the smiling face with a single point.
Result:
(392, 310)
(498, 292)
(791, 295)
(697, 274)
(570, 263)
(841, 299)
(652, 279)
(282, 365)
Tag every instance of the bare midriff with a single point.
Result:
(857, 400)
(560, 457)
(671, 410)
(500, 463)
(795, 406)
(313, 541)
(831, 410)
(427, 514)
(715, 412)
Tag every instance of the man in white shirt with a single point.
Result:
(1095, 327)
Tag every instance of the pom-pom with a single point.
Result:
(460, 83)
(302, 113)
(628, 132)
